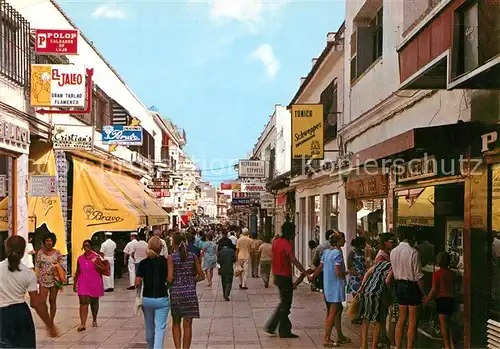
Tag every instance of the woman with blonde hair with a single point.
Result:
(152, 274)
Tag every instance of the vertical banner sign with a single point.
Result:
(56, 41)
(307, 131)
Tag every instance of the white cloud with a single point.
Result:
(250, 12)
(265, 54)
(109, 11)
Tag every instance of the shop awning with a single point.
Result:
(135, 191)
(46, 210)
(99, 205)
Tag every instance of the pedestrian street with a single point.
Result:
(235, 324)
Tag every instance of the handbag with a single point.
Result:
(102, 265)
(354, 307)
(238, 270)
(138, 300)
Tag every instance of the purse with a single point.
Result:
(102, 266)
(138, 300)
(354, 307)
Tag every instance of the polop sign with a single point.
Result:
(57, 85)
(56, 41)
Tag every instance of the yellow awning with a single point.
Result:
(134, 190)
(46, 210)
(98, 205)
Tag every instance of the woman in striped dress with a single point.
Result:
(184, 271)
(375, 298)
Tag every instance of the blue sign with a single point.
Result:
(122, 135)
(241, 201)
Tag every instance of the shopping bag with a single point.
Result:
(238, 270)
(354, 307)
(138, 300)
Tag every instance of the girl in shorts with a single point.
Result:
(443, 287)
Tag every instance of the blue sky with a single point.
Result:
(216, 68)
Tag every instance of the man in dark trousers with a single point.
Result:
(224, 240)
(226, 257)
(283, 259)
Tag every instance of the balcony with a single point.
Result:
(456, 46)
(137, 159)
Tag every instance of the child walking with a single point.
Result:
(443, 287)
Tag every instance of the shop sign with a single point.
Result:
(122, 135)
(307, 131)
(43, 186)
(252, 169)
(73, 137)
(369, 187)
(3, 186)
(266, 201)
(162, 193)
(240, 202)
(58, 85)
(205, 201)
(487, 140)
(417, 169)
(56, 41)
(253, 188)
(230, 186)
(159, 184)
(14, 137)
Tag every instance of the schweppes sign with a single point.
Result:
(307, 131)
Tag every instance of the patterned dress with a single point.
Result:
(209, 257)
(45, 268)
(183, 297)
(376, 296)
(358, 263)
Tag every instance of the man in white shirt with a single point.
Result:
(233, 238)
(140, 251)
(108, 248)
(164, 249)
(129, 249)
(407, 271)
(243, 247)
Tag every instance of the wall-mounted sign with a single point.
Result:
(57, 85)
(122, 135)
(230, 186)
(73, 137)
(56, 42)
(160, 184)
(369, 187)
(252, 169)
(240, 202)
(487, 140)
(3, 186)
(417, 169)
(43, 186)
(13, 136)
(307, 131)
(253, 188)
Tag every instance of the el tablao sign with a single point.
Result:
(73, 137)
(122, 135)
(307, 131)
(56, 42)
(252, 169)
(57, 85)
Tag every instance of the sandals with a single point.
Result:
(94, 324)
(331, 345)
(344, 340)
(81, 328)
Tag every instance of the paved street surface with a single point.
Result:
(235, 324)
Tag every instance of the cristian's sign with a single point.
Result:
(73, 137)
(58, 85)
(307, 131)
(56, 41)
(122, 135)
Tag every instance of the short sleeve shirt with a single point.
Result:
(282, 253)
(443, 279)
(15, 284)
(153, 271)
(244, 245)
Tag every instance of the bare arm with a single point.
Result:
(77, 274)
(170, 272)
(199, 271)
(317, 271)
(138, 281)
(432, 293)
(297, 264)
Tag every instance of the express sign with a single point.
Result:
(56, 41)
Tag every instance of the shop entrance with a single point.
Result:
(436, 215)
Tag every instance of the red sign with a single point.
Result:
(56, 41)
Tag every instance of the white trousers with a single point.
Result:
(245, 264)
(109, 281)
(131, 271)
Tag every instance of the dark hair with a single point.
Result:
(287, 230)
(50, 236)
(312, 244)
(209, 237)
(358, 242)
(385, 237)
(180, 241)
(15, 246)
(443, 259)
(190, 238)
(335, 238)
(87, 241)
(328, 234)
(407, 235)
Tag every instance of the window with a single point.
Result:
(14, 45)
(495, 241)
(329, 100)
(331, 211)
(366, 44)
(467, 40)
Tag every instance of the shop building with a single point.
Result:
(317, 190)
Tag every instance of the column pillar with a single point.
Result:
(18, 201)
(324, 216)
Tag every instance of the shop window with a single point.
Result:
(329, 100)
(366, 44)
(435, 214)
(371, 218)
(332, 211)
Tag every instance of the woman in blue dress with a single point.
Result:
(356, 265)
(209, 253)
(334, 280)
